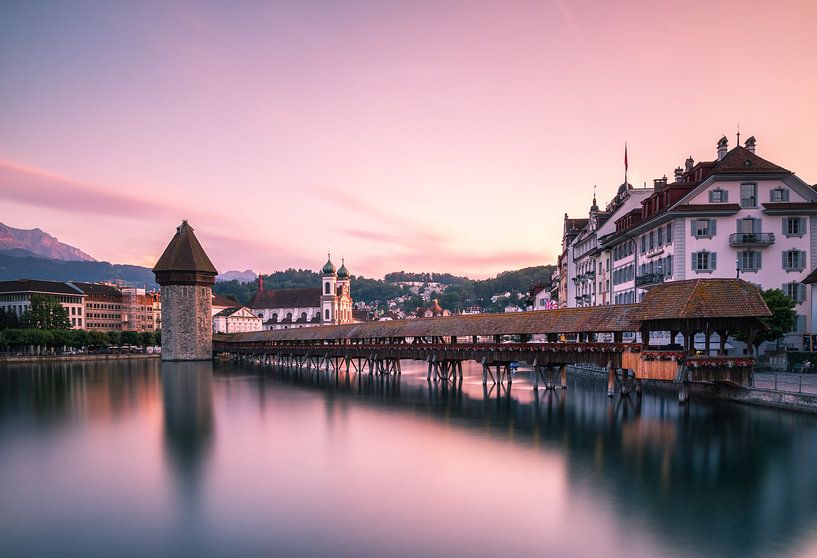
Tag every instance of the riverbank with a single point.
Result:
(75, 358)
(752, 396)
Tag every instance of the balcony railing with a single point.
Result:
(649, 279)
(751, 239)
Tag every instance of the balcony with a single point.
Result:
(649, 279)
(751, 239)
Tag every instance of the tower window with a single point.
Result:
(326, 312)
(326, 290)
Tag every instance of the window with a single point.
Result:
(660, 236)
(668, 267)
(749, 260)
(669, 233)
(643, 244)
(794, 260)
(652, 240)
(703, 261)
(718, 195)
(326, 314)
(326, 289)
(303, 316)
(747, 226)
(794, 226)
(748, 195)
(703, 228)
(779, 195)
(795, 291)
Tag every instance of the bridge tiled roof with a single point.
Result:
(568, 320)
(702, 299)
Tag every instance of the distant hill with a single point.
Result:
(243, 276)
(35, 242)
(29, 267)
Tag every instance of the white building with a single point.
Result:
(15, 297)
(739, 215)
(307, 307)
(236, 320)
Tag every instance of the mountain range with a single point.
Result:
(38, 243)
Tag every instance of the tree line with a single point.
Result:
(45, 323)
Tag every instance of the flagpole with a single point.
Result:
(625, 165)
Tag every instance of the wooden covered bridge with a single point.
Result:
(615, 337)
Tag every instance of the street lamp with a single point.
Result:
(737, 268)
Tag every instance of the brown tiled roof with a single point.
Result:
(568, 320)
(782, 206)
(184, 253)
(811, 278)
(287, 298)
(39, 286)
(740, 160)
(228, 311)
(219, 300)
(703, 298)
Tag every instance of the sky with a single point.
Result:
(418, 135)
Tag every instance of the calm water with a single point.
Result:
(148, 459)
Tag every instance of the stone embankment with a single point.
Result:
(24, 359)
(780, 398)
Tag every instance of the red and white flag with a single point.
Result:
(625, 156)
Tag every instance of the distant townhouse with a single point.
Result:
(15, 297)
(103, 306)
(236, 320)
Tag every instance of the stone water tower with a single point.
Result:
(186, 276)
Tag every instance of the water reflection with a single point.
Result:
(187, 397)
(246, 460)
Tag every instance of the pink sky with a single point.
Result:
(449, 136)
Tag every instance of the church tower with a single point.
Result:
(186, 276)
(344, 308)
(329, 295)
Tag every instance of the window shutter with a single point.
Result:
(712, 227)
(801, 292)
(802, 227)
(757, 226)
(713, 261)
(802, 259)
(785, 226)
(694, 260)
(758, 259)
(737, 226)
(725, 196)
(785, 196)
(693, 223)
(785, 254)
(711, 197)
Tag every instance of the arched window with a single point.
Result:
(274, 316)
(303, 316)
(326, 288)
(289, 315)
(326, 312)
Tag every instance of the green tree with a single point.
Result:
(113, 338)
(97, 338)
(8, 319)
(159, 337)
(131, 338)
(46, 312)
(779, 323)
(147, 338)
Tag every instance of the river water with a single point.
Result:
(140, 458)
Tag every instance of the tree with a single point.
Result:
(779, 323)
(46, 312)
(147, 339)
(113, 338)
(130, 338)
(96, 338)
(8, 319)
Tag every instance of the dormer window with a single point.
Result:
(779, 195)
(718, 195)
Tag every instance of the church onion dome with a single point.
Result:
(343, 273)
(329, 267)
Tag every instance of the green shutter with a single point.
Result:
(758, 259)
(694, 260)
(757, 226)
(801, 292)
(692, 227)
(712, 227)
(725, 196)
(713, 262)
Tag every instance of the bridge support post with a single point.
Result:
(536, 372)
(484, 374)
(549, 380)
(430, 366)
(510, 373)
(611, 379)
(683, 393)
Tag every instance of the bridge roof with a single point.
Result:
(622, 317)
(703, 299)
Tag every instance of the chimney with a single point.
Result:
(690, 162)
(679, 174)
(750, 144)
(723, 147)
(659, 183)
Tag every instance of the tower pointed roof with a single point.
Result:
(184, 260)
(184, 253)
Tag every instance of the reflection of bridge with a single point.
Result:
(548, 340)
